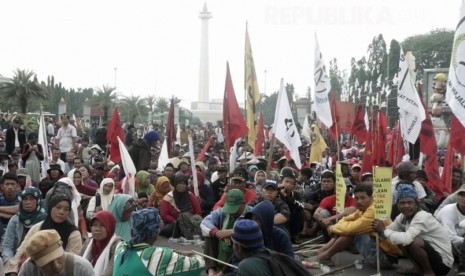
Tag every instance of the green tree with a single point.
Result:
(23, 88)
(150, 100)
(431, 50)
(104, 98)
(377, 58)
(269, 107)
(335, 78)
(133, 106)
(162, 104)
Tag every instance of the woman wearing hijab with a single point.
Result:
(76, 216)
(31, 211)
(139, 257)
(178, 202)
(102, 199)
(162, 187)
(144, 183)
(99, 250)
(122, 207)
(58, 210)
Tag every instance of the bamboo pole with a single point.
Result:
(216, 260)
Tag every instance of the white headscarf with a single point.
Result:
(76, 198)
(106, 199)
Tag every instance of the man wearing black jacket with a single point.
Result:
(15, 137)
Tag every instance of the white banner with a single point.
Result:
(411, 110)
(322, 88)
(455, 95)
(284, 126)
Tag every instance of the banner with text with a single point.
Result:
(340, 190)
(382, 192)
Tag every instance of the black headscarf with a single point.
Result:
(65, 228)
(182, 200)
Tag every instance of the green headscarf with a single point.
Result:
(123, 228)
(144, 185)
(38, 215)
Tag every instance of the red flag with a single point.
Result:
(234, 125)
(170, 130)
(204, 150)
(114, 131)
(446, 176)
(429, 148)
(457, 133)
(359, 129)
(335, 129)
(379, 139)
(367, 164)
(260, 136)
(396, 147)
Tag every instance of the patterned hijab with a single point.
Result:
(145, 224)
(38, 215)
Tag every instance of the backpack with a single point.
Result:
(283, 265)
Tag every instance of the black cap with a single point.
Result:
(240, 174)
(270, 183)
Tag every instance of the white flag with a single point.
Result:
(306, 131)
(367, 122)
(322, 88)
(455, 95)
(163, 159)
(284, 126)
(129, 181)
(44, 143)
(178, 136)
(411, 110)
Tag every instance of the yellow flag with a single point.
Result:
(382, 192)
(252, 93)
(318, 145)
(340, 190)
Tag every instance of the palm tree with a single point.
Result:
(162, 104)
(104, 98)
(133, 106)
(151, 100)
(23, 88)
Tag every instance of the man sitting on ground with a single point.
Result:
(423, 237)
(357, 228)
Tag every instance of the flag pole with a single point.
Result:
(270, 154)
(337, 132)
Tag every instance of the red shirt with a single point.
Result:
(329, 202)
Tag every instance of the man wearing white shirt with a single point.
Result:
(66, 136)
(50, 128)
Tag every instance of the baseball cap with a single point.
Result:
(44, 247)
(234, 200)
(239, 173)
(270, 183)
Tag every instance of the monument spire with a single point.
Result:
(204, 97)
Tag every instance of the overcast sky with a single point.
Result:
(155, 45)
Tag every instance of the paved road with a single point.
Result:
(341, 259)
